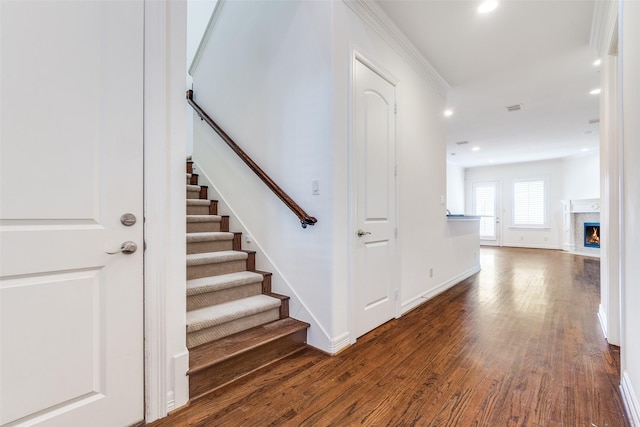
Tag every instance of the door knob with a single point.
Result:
(363, 233)
(127, 248)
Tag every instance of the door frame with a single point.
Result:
(357, 55)
(498, 209)
(166, 356)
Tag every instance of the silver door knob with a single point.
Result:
(363, 233)
(128, 219)
(127, 248)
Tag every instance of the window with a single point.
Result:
(529, 207)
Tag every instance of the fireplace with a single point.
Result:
(591, 234)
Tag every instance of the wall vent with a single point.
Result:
(462, 142)
(594, 121)
(516, 107)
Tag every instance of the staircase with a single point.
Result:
(235, 324)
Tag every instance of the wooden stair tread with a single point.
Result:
(223, 281)
(211, 353)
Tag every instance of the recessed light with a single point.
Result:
(584, 150)
(487, 6)
(491, 161)
(448, 113)
(475, 149)
(597, 62)
(595, 92)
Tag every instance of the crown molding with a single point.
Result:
(377, 19)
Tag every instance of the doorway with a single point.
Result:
(486, 204)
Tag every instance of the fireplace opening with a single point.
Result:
(592, 234)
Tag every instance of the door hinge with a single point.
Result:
(395, 295)
(395, 170)
(395, 108)
(395, 232)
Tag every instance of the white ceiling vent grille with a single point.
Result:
(516, 107)
(594, 121)
(462, 142)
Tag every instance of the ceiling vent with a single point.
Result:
(516, 107)
(594, 121)
(462, 142)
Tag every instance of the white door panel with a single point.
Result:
(71, 331)
(374, 158)
(486, 203)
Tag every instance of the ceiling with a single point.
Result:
(528, 52)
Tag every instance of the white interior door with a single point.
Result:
(374, 165)
(486, 203)
(71, 316)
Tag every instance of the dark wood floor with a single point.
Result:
(519, 344)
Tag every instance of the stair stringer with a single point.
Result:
(317, 336)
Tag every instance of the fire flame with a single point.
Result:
(594, 238)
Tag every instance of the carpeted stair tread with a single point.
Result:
(223, 281)
(203, 218)
(198, 202)
(209, 236)
(193, 187)
(188, 175)
(228, 312)
(215, 257)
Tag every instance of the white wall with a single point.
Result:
(581, 177)
(426, 240)
(630, 348)
(549, 170)
(455, 188)
(198, 16)
(281, 89)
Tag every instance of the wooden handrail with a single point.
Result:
(305, 218)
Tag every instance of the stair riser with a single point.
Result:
(208, 270)
(229, 370)
(198, 210)
(195, 302)
(212, 246)
(202, 227)
(220, 331)
(193, 194)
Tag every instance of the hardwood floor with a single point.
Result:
(518, 344)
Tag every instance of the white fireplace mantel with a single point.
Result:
(584, 205)
(574, 213)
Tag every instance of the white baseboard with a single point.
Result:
(427, 295)
(531, 246)
(339, 343)
(630, 401)
(602, 316)
(179, 395)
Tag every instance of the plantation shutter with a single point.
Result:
(528, 203)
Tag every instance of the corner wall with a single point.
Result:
(630, 90)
